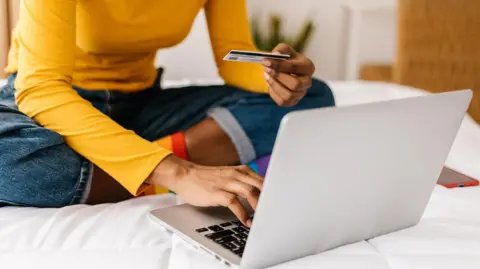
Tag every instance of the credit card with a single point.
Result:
(252, 56)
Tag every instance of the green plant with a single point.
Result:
(266, 42)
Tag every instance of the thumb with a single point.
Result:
(284, 49)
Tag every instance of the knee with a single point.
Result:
(320, 94)
(6, 112)
(37, 168)
(19, 133)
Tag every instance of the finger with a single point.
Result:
(231, 201)
(285, 94)
(246, 169)
(249, 178)
(281, 90)
(276, 98)
(284, 49)
(291, 82)
(306, 81)
(242, 189)
(300, 66)
(246, 178)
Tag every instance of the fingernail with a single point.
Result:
(249, 223)
(266, 62)
(267, 69)
(267, 76)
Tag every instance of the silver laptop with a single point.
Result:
(336, 176)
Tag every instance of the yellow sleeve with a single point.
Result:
(229, 29)
(46, 34)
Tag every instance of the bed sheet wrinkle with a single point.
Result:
(123, 236)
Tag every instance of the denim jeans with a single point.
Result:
(37, 167)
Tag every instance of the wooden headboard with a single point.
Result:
(438, 47)
(9, 11)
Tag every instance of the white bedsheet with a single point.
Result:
(121, 235)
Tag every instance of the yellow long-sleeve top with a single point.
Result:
(111, 44)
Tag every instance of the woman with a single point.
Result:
(83, 110)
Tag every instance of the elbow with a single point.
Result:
(249, 77)
(232, 78)
(34, 95)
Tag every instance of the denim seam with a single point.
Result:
(84, 183)
(108, 102)
(7, 92)
(88, 185)
(11, 203)
(234, 130)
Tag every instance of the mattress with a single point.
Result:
(122, 236)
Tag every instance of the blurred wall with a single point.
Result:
(327, 44)
(326, 48)
(193, 58)
(8, 18)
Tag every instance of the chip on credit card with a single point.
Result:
(253, 56)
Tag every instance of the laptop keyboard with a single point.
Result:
(230, 235)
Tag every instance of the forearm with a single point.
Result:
(44, 93)
(233, 35)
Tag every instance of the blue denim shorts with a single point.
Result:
(37, 167)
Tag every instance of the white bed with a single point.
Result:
(122, 236)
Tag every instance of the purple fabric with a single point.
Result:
(262, 164)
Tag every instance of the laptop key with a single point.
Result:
(216, 235)
(225, 239)
(239, 251)
(238, 223)
(226, 224)
(209, 235)
(241, 235)
(229, 246)
(239, 243)
(239, 230)
(215, 228)
(201, 230)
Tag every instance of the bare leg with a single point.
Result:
(207, 144)
(105, 189)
